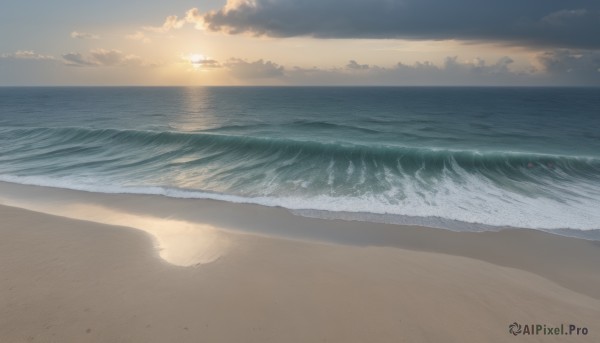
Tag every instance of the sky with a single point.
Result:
(300, 42)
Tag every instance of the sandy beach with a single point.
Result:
(130, 268)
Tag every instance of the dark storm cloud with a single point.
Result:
(554, 23)
(575, 67)
(566, 61)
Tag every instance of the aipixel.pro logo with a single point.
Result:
(516, 329)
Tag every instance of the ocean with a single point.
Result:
(455, 158)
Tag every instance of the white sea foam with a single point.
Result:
(475, 202)
(350, 170)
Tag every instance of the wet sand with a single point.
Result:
(154, 269)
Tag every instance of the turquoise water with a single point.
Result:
(444, 157)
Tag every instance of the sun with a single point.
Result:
(199, 62)
(196, 60)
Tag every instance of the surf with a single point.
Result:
(496, 188)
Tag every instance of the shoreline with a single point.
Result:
(431, 221)
(435, 222)
(529, 250)
(63, 279)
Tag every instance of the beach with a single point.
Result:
(135, 268)
(279, 171)
(299, 214)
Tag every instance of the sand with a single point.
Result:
(172, 270)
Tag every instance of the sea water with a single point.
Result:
(443, 157)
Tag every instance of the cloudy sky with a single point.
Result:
(307, 42)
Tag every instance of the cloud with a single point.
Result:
(102, 58)
(355, 66)
(208, 63)
(478, 66)
(254, 70)
(563, 17)
(192, 16)
(75, 59)
(171, 22)
(581, 66)
(26, 55)
(200, 61)
(107, 57)
(84, 35)
(139, 36)
(550, 23)
(452, 72)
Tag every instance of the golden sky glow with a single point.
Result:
(206, 44)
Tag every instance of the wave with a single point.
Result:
(408, 157)
(497, 188)
(297, 124)
(546, 217)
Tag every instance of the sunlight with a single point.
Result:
(178, 242)
(197, 60)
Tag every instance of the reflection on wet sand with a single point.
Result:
(178, 242)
